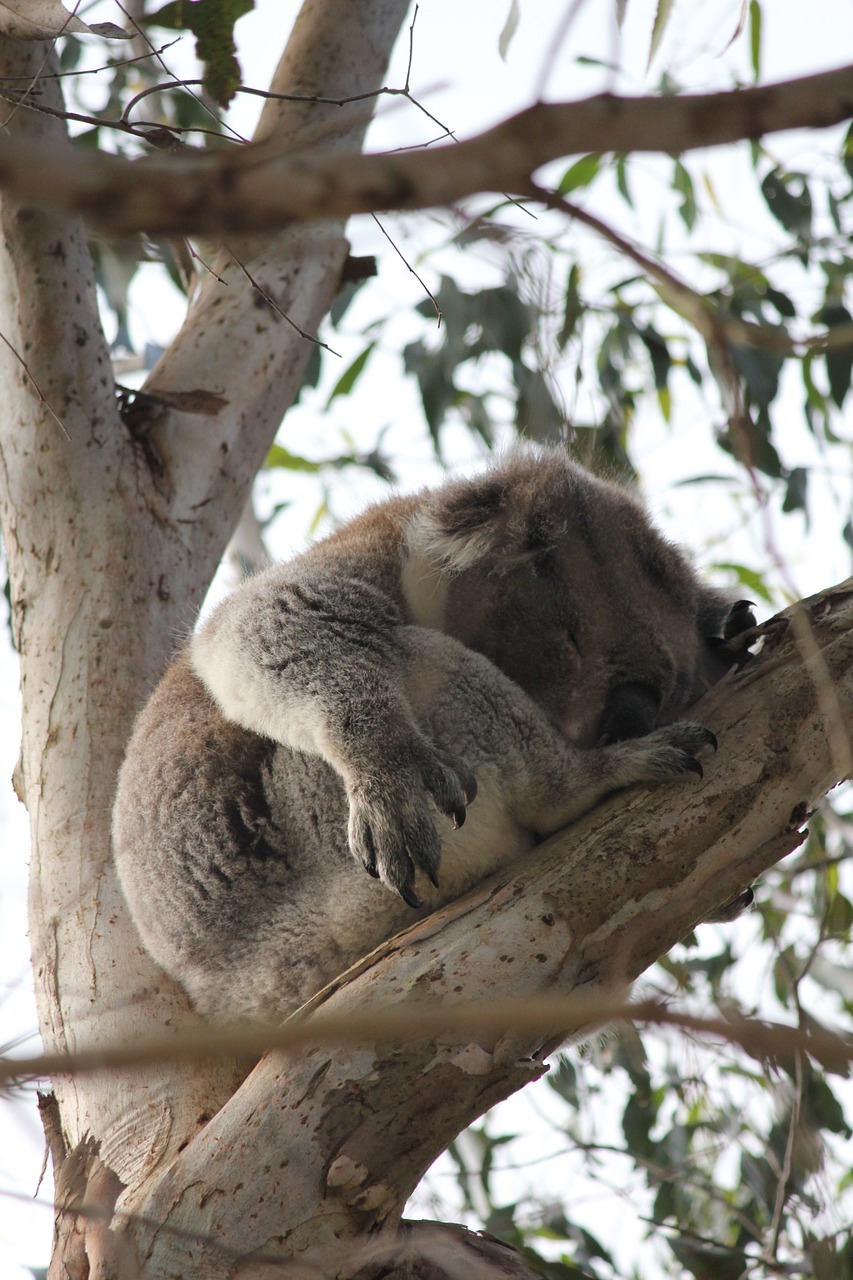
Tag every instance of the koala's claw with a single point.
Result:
(392, 831)
(693, 765)
(740, 619)
(409, 896)
(663, 754)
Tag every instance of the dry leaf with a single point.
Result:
(47, 19)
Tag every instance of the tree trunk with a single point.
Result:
(113, 532)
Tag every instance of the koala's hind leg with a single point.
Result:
(544, 781)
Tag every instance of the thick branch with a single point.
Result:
(71, 529)
(110, 555)
(244, 339)
(267, 186)
(345, 1135)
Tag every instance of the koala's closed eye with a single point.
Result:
(525, 637)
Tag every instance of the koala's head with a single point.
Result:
(562, 581)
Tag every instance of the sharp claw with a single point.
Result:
(409, 896)
(694, 766)
(470, 791)
(458, 817)
(433, 878)
(712, 739)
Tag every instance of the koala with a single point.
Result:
(365, 732)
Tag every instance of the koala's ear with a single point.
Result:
(460, 526)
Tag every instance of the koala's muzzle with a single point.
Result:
(631, 711)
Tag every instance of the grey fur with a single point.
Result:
(526, 636)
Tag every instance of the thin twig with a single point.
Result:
(36, 387)
(271, 302)
(409, 267)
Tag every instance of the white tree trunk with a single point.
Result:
(110, 556)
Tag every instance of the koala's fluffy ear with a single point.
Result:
(504, 518)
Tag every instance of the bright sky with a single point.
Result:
(459, 76)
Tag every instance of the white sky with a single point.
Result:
(459, 76)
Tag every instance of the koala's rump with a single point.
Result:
(233, 851)
(226, 900)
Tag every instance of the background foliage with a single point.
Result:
(728, 402)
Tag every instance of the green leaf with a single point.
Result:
(748, 578)
(821, 1109)
(509, 29)
(574, 308)
(760, 371)
(847, 533)
(662, 17)
(847, 151)
(755, 38)
(839, 917)
(683, 184)
(658, 351)
(579, 174)
(789, 200)
(622, 180)
(795, 491)
(212, 24)
(781, 302)
(537, 416)
(637, 1120)
(350, 376)
(435, 383)
(278, 456)
(839, 359)
(708, 1261)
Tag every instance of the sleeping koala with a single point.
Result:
(525, 637)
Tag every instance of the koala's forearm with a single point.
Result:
(313, 665)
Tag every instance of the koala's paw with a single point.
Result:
(668, 752)
(391, 828)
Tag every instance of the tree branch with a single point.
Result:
(268, 185)
(345, 1135)
(236, 340)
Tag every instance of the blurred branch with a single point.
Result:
(268, 184)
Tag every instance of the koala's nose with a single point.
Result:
(631, 711)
